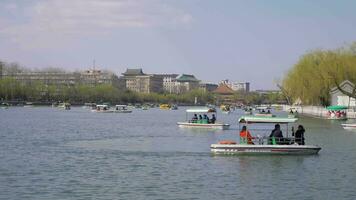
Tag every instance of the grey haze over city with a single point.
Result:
(254, 41)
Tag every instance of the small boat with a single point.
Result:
(65, 106)
(89, 105)
(28, 105)
(336, 112)
(174, 107)
(264, 145)
(122, 109)
(102, 109)
(4, 105)
(349, 126)
(202, 123)
(225, 109)
(145, 107)
(165, 106)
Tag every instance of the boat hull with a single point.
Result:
(203, 126)
(241, 149)
(349, 126)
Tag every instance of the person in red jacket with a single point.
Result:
(244, 133)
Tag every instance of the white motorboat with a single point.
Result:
(349, 126)
(263, 144)
(102, 109)
(65, 106)
(122, 109)
(203, 123)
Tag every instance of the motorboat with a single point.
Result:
(65, 106)
(264, 144)
(174, 107)
(336, 112)
(225, 109)
(202, 123)
(89, 105)
(102, 109)
(165, 106)
(349, 126)
(122, 109)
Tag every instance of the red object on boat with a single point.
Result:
(227, 142)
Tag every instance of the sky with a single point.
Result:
(256, 41)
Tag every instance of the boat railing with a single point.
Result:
(264, 140)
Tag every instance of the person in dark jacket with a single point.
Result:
(299, 135)
(277, 133)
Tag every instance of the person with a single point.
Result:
(277, 133)
(268, 112)
(299, 135)
(200, 117)
(195, 118)
(213, 119)
(245, 134)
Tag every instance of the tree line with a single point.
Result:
(317, 72)
(36, 91)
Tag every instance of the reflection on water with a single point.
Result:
(47, 153)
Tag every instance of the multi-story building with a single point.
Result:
(208, 87)
(138, 81)
(169, 82)
(95, 77)
(186, 83)
(237, 86)
(88, 77)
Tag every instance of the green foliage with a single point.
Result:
(316, 72)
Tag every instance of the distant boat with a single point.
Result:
(202, 123)
(165, 106)
(349, 126)
(65, 106)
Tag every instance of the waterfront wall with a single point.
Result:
(317, 111)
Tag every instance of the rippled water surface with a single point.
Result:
(47, 153)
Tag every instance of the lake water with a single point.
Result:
(46, 153)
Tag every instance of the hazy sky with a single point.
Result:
(255, 41)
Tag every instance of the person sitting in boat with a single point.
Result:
(245, 136)
(268, 112)
(205, 118)
(299, 135)
(213, 119)
(263, 111)
(291, 111)
(195, 118)
(277, 134)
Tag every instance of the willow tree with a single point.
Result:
(316, 72)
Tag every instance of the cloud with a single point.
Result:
(50, 22)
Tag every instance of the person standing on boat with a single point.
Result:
(245, 135)
(277, 133)
(299, 135)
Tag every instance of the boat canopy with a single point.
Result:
(102, 106)
(263, 119)
(201, 110)
(121, 106)
(335, 108)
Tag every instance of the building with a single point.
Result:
(95, 77)
(88, 77)
(186, 83)
(224, 94)
(208, 87)
(341, 99)
(136, 80)
(169, 82)
(237, 86)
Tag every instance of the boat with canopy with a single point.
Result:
(263, 144)
(336, 112)
(202, 123)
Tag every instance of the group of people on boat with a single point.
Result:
(203, 119)
(336, 114)
(276, 136)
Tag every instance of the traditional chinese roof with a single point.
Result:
(224, 89)
(187, 78)
(133, 72)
